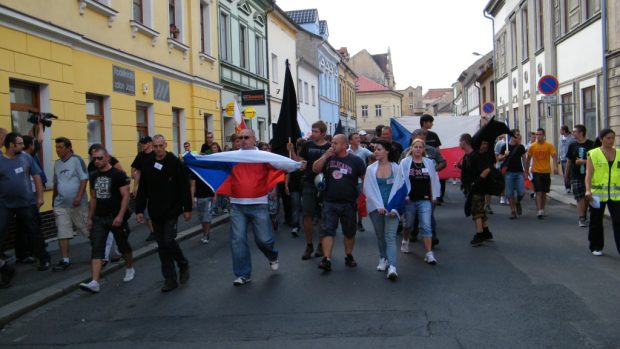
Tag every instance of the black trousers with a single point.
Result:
(165, 231)
(596, 234)
(27, 219)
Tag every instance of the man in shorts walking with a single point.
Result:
(540, 154)
(109, 199)
(575, 171)
(69, 198)
(342, 171)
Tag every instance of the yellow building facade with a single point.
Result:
(112, 71)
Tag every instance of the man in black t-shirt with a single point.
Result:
(310, 152)
(386, 134)
(474, 171)
(512, 162)
(576, 157)
(342, 170)
(109, 199)
(432, 139)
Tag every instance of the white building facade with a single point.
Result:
(534, 38)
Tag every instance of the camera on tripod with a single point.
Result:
(43, 118)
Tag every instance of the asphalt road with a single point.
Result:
(535, 286)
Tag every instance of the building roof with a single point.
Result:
(304, 16)
(382, 61)
(322, 27)
(436, 93)
(365, 84)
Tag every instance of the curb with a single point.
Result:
(32, 301)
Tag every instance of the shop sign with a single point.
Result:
(253, 97)
(124, 80)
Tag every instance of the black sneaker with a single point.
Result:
(519, 208)
(487, 235)
(325, 264)
(169, 285)
(151, 237)
(61, 266)
(319, 251)
(43, 266)
(7, 272)
(349, 261)
(26, 260)
(183, 273)
(477, 240)
(360, 227)
(308, 252)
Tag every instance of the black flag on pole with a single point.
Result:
(339, 129)
(287, 127)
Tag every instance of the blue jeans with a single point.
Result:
(385, 228)
(241, 216)
(295, 199)
(423, 209)
(514, 182)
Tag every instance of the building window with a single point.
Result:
(410, 94)
(24, 97)
(205, 27)
(527, 111)
(592, 7)
(306, 93)
(542, 120)
(364, 111)
(243, 46)
(313, 96)
(225, 37)
(142, 122)
(176, 131)
(572, 15)
(540, 30)
(378, 110)
(138, 11)
(410, 106)
(484, 94)
(94, 116)
(515, 116)
(300, 97)
(171, 13)
(567, 110)
(501, 54)
(513, 43)
(589, 111)
(258, 48)
(525, 30)
(274, 68)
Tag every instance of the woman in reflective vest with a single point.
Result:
(603, 189)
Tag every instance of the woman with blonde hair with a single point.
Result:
(423, 189)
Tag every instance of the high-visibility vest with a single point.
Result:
(605, 179)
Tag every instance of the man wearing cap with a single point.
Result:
(364, 141)
(146, 144)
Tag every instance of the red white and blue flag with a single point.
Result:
(216, 170)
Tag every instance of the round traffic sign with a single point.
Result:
(548, 85)
(488, 108)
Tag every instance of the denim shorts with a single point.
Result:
(204, 209)
(514, 182)
(334, 212)
(423, 209)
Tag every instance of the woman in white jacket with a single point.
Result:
(423, 189)
(385, 199)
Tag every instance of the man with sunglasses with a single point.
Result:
(107, 211)
(165, 186)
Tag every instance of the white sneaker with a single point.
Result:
(502, 201)
(274, 265)
(597, 253)
(92, 287)
(404, 246)
(430, 258)
(383, 264)
(205, 239)
(129, 274)
(392, 274)
(541, 213)
(582, 222)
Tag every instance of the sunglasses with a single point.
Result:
(97, 158)
(245, 137)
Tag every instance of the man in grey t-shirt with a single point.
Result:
(17, 198)
(70, 201)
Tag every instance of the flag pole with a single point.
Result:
(290, 151)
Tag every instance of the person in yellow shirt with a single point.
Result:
(541, 152)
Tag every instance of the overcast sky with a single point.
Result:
(431, 40)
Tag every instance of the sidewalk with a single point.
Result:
(558, 192)
(31, 288)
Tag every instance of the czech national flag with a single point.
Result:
(216, 170)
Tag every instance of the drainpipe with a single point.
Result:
(488, 16)
(605, 72)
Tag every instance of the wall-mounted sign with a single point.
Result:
(161, 90)
(249, 112)
(253, 97)
(124, 80)
(230, 109)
